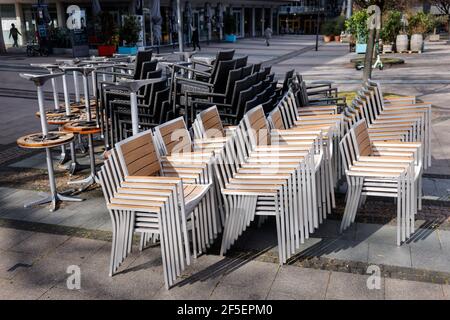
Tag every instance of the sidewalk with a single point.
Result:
(34, 266)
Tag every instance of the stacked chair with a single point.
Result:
(141, 200)
(394, 170)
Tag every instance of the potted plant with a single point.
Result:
(327, 29)
(229, 27)
(357, 27)
(339, 26)
(129, 35)
(437, 22)
(392, 24)
(107, 35)
(419, 24)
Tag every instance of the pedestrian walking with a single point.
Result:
(14, 33)
(268, 35)
(195, 38)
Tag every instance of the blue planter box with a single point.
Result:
(361, 48)
(230, 38)
(128, 50)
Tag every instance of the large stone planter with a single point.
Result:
(417, 43)
(401, 43)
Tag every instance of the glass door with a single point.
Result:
(238, 23)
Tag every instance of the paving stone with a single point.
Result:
(348, 250)
(12, 290)
(425, 238)
(40, 243)
(446, 289)
(76, 250)
(13, 262)
(10, 237)
(444, 237)
(412, 290)
(44, 272)
(434, 260)
(352, 287)
(392, 255)
(56, 293)
(299, 283)
(257, 277)
(376, 233)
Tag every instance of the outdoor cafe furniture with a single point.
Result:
(46, 140)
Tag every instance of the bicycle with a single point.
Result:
(34, 49)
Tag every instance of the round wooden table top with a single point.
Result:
(82, 127)
(81, 104)
(56, 113)
(37, 140)
(64, 119)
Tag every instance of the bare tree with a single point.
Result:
(444, 7)
(2, 41)
(383, 4)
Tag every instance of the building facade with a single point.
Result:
(251, 17)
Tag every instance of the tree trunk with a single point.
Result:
(2, 41)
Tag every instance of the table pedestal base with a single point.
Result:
(53, 199)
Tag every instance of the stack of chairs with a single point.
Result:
(245, 89)
(142, 199)
(392, 170)
(153, 104)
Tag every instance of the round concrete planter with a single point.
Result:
(401, 42)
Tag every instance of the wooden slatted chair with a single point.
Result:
(282, 135)
(258, 189)
(386, 176)
(404, 105)
(151, 210)
(259, 142)
(140, 162)
(178, 159)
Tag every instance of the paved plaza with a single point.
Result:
(38, 248)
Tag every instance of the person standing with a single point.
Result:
(14, 33)
(195, 38)
(268, 35)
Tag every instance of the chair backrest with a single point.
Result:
(261, 75)
(173, 137)
(244, 97)
(221, 78)
(258, 87)
(275, 119)
(362, 139)
(233, 76)
(221, 56)
(147, 67)
(154, 74)
(287, 79)
(138, 155)
(247, 70)
(141, 57)
(210, 122)
(161, 97)
(347, 150)
(256, 67)
(257, 129)
(241, 62)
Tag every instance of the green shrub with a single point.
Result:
(420, 23)
(392, 24)
(130, 31)
(357, 26)
(327, 28)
